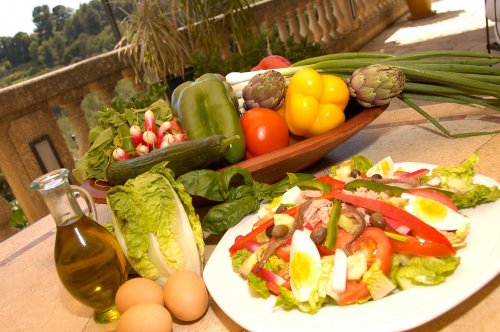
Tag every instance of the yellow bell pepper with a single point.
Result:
(314, 103)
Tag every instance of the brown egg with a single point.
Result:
(138, 290)
(150, 317)
(185, 295)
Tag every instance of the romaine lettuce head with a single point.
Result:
(156, 224)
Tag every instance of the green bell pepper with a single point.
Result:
(208, 107)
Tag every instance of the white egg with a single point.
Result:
(384, 167)
(291, 196)
(305, 266)
(433, 213)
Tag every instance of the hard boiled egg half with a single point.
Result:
(433, 213)
(305, 266)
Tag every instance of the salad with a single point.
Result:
(360, 233)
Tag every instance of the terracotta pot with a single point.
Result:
(420, 8)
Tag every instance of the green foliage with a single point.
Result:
(91, 104)
(18, 219)
(255, 48)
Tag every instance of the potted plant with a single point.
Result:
(158, 41)
(420, 9)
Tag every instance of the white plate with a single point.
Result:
(401, 311)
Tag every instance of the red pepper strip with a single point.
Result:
(415, 246)
(416, 174)
(240, 242)
(418, 227)
(334, 183)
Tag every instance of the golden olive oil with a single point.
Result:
(89, 262)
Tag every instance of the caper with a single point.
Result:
(355, 173)
(318, 235)
(378, 220)
(376, 176)
(279, 231)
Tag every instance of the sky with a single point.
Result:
(16, 15)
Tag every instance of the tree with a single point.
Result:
(60, 15)
(20, 48)
(44, 22)
(46, 54)
(58, 44)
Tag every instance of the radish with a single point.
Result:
(141, 150)
(149, 138)
(162, 131)
(136, 135)
(120, 154)
(149, 122)
(180, 137)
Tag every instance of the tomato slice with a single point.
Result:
(376, 245)
(434, 195)
(342, 238)
(272, 287)
(419, 247)
(283, 252)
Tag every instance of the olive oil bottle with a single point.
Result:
(88, 258)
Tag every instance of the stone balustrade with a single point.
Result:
(26, 108)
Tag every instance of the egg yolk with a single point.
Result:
(428, 210)
(304, 270)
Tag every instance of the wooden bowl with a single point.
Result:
(296, 157)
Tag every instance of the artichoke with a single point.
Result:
(264, 90)
(376, 85)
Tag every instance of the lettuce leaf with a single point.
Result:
(460, 178)
(426, 271)
(258, 285)
(156, 224)
(378, 284)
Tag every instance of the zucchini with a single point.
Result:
(182, 157)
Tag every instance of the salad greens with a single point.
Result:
(112, 130)
(426, 271)
(156, 224)
(464, 192)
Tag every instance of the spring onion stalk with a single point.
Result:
(462, 77)
(445, 131)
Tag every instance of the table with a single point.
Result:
(33, 299)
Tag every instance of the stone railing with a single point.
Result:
(26, 108)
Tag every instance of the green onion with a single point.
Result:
(450, 76)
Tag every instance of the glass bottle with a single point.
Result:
(88, 258)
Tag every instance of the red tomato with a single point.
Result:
(265, 131)
(434, 195)
(272, 62)
(376, 245)
(272, 287)
(342, 238)
(283, 252)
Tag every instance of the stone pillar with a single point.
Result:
(17, 160)
(70, 101)
(105, 87)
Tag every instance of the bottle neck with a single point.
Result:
(62, 203)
